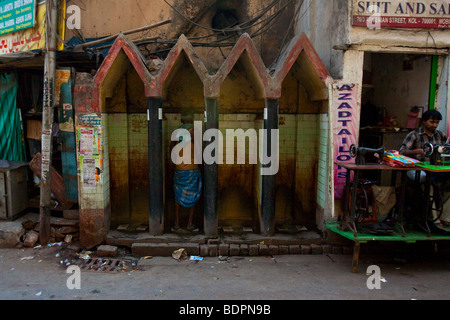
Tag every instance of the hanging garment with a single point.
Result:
(11, 145)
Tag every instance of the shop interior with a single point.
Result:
(29, 102)
(395, 93)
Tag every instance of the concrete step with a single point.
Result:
(223, 249)
(163, 249)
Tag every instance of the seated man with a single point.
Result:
(413, 144)
(413, 147)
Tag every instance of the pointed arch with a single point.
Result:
(301, 56)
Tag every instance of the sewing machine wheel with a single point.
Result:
(362, 206)
(362, 211)
(437, 204)
(428, 149)
(353, 151)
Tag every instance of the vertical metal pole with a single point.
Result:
(156, 168)
(47, 120)
(211, 173)
(267, 222)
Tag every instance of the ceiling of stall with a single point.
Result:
(305, 71)
(182, 88)
(123, 88)
(115, 72)
(242, 90)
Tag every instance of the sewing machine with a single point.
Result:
(439, 155)
(366, 155)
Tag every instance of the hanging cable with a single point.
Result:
(50, 24)
(290, 25)
(245, 25)
(263, 21)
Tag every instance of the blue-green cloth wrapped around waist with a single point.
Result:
(187, 187)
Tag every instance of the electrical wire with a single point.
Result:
(143, 15)
(241, 26)
(290, 25)
(260, 20)
(229, 32)
(220, 42)
(49, 23)
(268, 22)
(84, 5)
(289, 28)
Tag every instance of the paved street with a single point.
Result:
(37, 274)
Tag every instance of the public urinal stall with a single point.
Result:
(131, 110)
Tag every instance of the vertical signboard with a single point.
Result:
(346, 116)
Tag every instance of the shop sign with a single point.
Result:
(26, 40)
(346, 116)
(32, 38)
(16, 15)
(434, 14)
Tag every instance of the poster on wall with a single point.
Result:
(88, 173)
(431, 14)
(89, 154)
(62, 82)
(86, 142)
(346, 115)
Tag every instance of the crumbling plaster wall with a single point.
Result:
(100, 19)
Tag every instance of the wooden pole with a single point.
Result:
(47, 120)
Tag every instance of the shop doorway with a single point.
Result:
(395, 93)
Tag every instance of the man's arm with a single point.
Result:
(409, 146)
(413, 152)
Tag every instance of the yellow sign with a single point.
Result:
(32, 38)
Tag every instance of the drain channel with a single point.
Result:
(107, 265)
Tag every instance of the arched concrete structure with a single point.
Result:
(298, 58)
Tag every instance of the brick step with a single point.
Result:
(222, 249)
